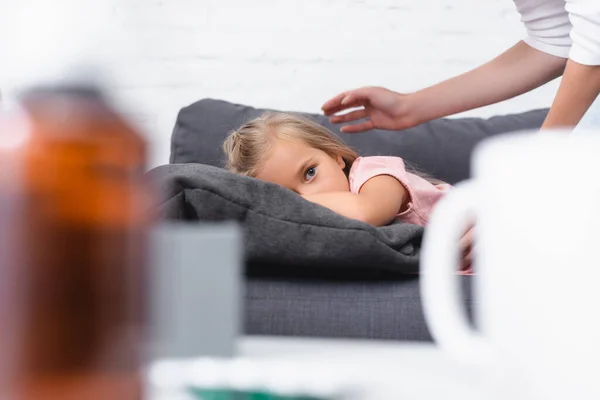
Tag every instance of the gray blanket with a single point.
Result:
(281, 228)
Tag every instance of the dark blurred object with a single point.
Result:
(74, 209)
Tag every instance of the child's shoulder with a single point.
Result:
(365, 168)
(377, 165)
(378, 161)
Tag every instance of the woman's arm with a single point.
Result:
(579, 88)
(581, 81)
(380, 199)
(518, 70)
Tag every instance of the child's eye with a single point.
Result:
(310, 173)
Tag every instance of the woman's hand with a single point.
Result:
(383, 109)
(518, 70)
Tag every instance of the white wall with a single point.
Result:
(285, 54)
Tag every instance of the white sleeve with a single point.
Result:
(563, 28)
(585, 17)
(548, 25)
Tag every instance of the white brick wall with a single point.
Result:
(285, 54)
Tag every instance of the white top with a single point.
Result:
(563, 28)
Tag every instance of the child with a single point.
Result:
(307, 158)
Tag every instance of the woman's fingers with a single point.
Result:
(346, 100)
(356, 128)
(349, 103)
(348, 117)
(334, 104)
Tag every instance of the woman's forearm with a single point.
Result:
(516, 71)
(579, 88)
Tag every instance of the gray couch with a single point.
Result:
(354, 303)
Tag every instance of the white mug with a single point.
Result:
(535, 198)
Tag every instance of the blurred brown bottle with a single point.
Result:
(74, 220)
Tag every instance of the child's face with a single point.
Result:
(303, 169)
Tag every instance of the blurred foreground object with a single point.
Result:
(73, 228)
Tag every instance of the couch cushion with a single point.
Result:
(282, 228)
(354, 307)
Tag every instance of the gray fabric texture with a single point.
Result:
(280, 226)
(441, 147)
(377, 309)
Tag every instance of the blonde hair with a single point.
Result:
(246, 147)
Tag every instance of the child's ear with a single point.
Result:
(341, 162)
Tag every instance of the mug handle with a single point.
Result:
(441, 294)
